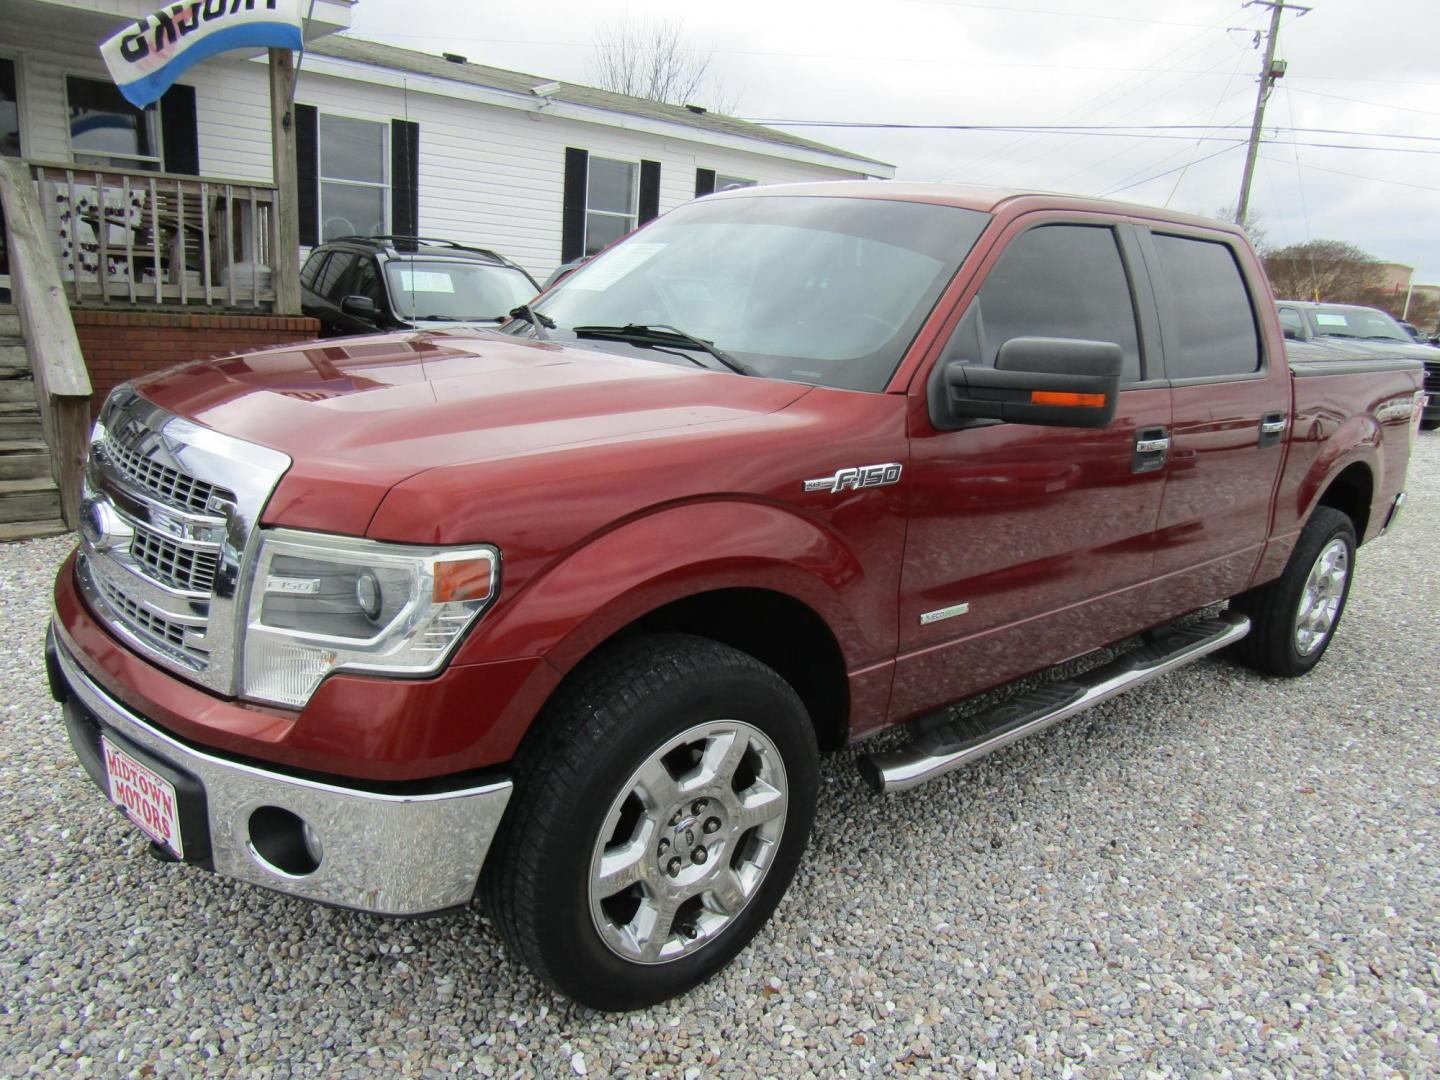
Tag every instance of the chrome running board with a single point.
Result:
(940, 744)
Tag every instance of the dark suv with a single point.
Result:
(360, 284)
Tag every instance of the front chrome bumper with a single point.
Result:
(383, 853)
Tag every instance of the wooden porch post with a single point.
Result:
(286, 257)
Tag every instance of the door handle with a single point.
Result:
(1152, 446)
(1272, 428)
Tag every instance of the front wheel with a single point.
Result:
(660, 811)
(1293, 618)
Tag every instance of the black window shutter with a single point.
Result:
(307, 172)
(572, 214)
(704, 182)
(404, 178)
(178, 133)
(649, 191)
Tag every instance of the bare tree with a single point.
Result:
(1254, 227)
(1325, 270)
(654, 60)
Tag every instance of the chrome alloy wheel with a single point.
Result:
(688, 841)
(1321, 598)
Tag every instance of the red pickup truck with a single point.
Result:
(563, 615)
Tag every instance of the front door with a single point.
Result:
(1028, 545)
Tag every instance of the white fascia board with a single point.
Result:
(540, 107)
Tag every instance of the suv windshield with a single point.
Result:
(1358, 323)
(812, 289)
(439, 289)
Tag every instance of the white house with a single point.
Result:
(389, 141)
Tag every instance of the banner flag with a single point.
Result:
(148, 56)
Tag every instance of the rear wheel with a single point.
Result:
(659, 815)
(1294, 617)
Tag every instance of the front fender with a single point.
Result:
(614, 578)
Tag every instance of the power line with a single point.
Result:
(1359, 176)
(1358, 101)
(1008, 10)
(1126, 187)
(1084, 129)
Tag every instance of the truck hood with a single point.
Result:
(359, 415)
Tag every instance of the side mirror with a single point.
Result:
(1057, 382)
(361, 307)
(1291, 334)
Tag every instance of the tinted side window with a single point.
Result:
(311, 269)
(1064, 281)
(1208, 306)
(332, 280)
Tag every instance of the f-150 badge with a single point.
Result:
(861, 476)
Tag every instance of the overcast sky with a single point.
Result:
(1367, 71)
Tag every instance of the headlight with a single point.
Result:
(328, 603)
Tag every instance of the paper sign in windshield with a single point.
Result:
(426, 281)
(606, 271)
(1322, 319)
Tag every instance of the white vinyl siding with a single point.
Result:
(489, 175)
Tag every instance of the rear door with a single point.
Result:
(1027, 544)
(1231, 418)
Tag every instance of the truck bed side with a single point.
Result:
(1352, 427)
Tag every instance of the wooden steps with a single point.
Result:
(29, 500)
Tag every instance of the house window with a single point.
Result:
(107, 131)
(611, 202)
(354, 177)
(731, 183)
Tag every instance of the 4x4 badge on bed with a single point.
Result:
(862, 476)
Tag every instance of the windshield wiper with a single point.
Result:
(437, 318)
(664, 334)
(540, 322)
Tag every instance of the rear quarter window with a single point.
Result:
(1207, 307)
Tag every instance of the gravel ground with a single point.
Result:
(1217, 873)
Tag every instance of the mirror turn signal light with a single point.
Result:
(1057, 397)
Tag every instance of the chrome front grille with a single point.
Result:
(177, 565)
(161, 632)
(169, 515)
(169, 485)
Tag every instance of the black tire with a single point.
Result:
(613, 714)
(1430, 423)
(1274, 644)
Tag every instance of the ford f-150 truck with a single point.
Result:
(562, 615)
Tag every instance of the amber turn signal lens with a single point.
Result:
(463, 579)
(1057, 397)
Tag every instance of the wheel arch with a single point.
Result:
(1352, 492)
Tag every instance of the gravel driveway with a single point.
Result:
(1217, 872)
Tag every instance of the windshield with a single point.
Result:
(1358, 323)
(433, 288)
(827, 291)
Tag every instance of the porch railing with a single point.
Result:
(157, 238)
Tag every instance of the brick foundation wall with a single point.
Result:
(121, 345)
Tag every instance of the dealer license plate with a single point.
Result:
(146, 796)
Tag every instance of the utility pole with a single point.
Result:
(1271, 70)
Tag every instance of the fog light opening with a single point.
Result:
(284, 843)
